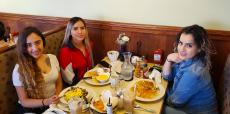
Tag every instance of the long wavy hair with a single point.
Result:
(68, 37)
(200, 37)
(31, 75)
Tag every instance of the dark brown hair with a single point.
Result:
(200, 37)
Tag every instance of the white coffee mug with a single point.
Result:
(113, 55)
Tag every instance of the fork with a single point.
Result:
(144, 109)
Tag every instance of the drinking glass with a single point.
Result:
(129, 98)
(114, 81)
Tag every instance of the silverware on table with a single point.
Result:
(87, 78)
(144, 109)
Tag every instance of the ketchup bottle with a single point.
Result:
(158, 56)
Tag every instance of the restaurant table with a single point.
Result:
(155, 105)
(5, 45)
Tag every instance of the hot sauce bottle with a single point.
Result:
(158, 56)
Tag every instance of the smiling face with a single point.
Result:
(187, 48)
(34, 45)
(78, 32)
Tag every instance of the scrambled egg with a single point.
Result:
(75, 92)
(102, 78)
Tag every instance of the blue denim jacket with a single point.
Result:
(192, 90)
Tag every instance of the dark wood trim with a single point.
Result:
(32, 17)
(105, 25)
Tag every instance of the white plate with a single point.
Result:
(159, 96)
(115, 101)
(61, 106)
(90, 94)
(94, 108)
(54, 109)
(94, 81)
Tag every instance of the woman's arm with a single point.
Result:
(66, 65)
(187, 86)
(33, 103)
(167, 68)
(59, 85)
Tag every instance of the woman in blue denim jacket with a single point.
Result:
(187, 70)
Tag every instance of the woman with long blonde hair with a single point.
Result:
(76, 55)
(36, 75)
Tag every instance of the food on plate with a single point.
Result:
(97, 76)
(99, 105)
(75, 92)
(92, 74)
(146, 89)
(102, 78)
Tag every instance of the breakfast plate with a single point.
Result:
(147, 90)
(76, 92)
(98, 104)
(97, 76)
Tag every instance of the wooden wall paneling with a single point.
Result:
(18, 21)
(109, 39)
(146, 40)
(219, 59)
(12, 23)
(218, 62)
(98, 46)
(169, 45)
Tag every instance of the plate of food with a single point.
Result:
(97, 76)
(75, 92)
(98, 104)
(147, 90)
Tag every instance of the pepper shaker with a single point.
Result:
(109, 108)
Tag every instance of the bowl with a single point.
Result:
(113, 55)
(102, 78)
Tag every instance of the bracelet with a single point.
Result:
(43, 102)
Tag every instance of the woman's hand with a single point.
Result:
(167, 68)
(52, 100)
(174, 57)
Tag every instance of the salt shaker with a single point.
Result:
(109, 108)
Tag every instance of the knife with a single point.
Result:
(87, 77)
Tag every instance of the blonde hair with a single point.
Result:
(31, 75)
(68, 36)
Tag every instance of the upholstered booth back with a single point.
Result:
(226, 88)
(8, 95)
(54, 42)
